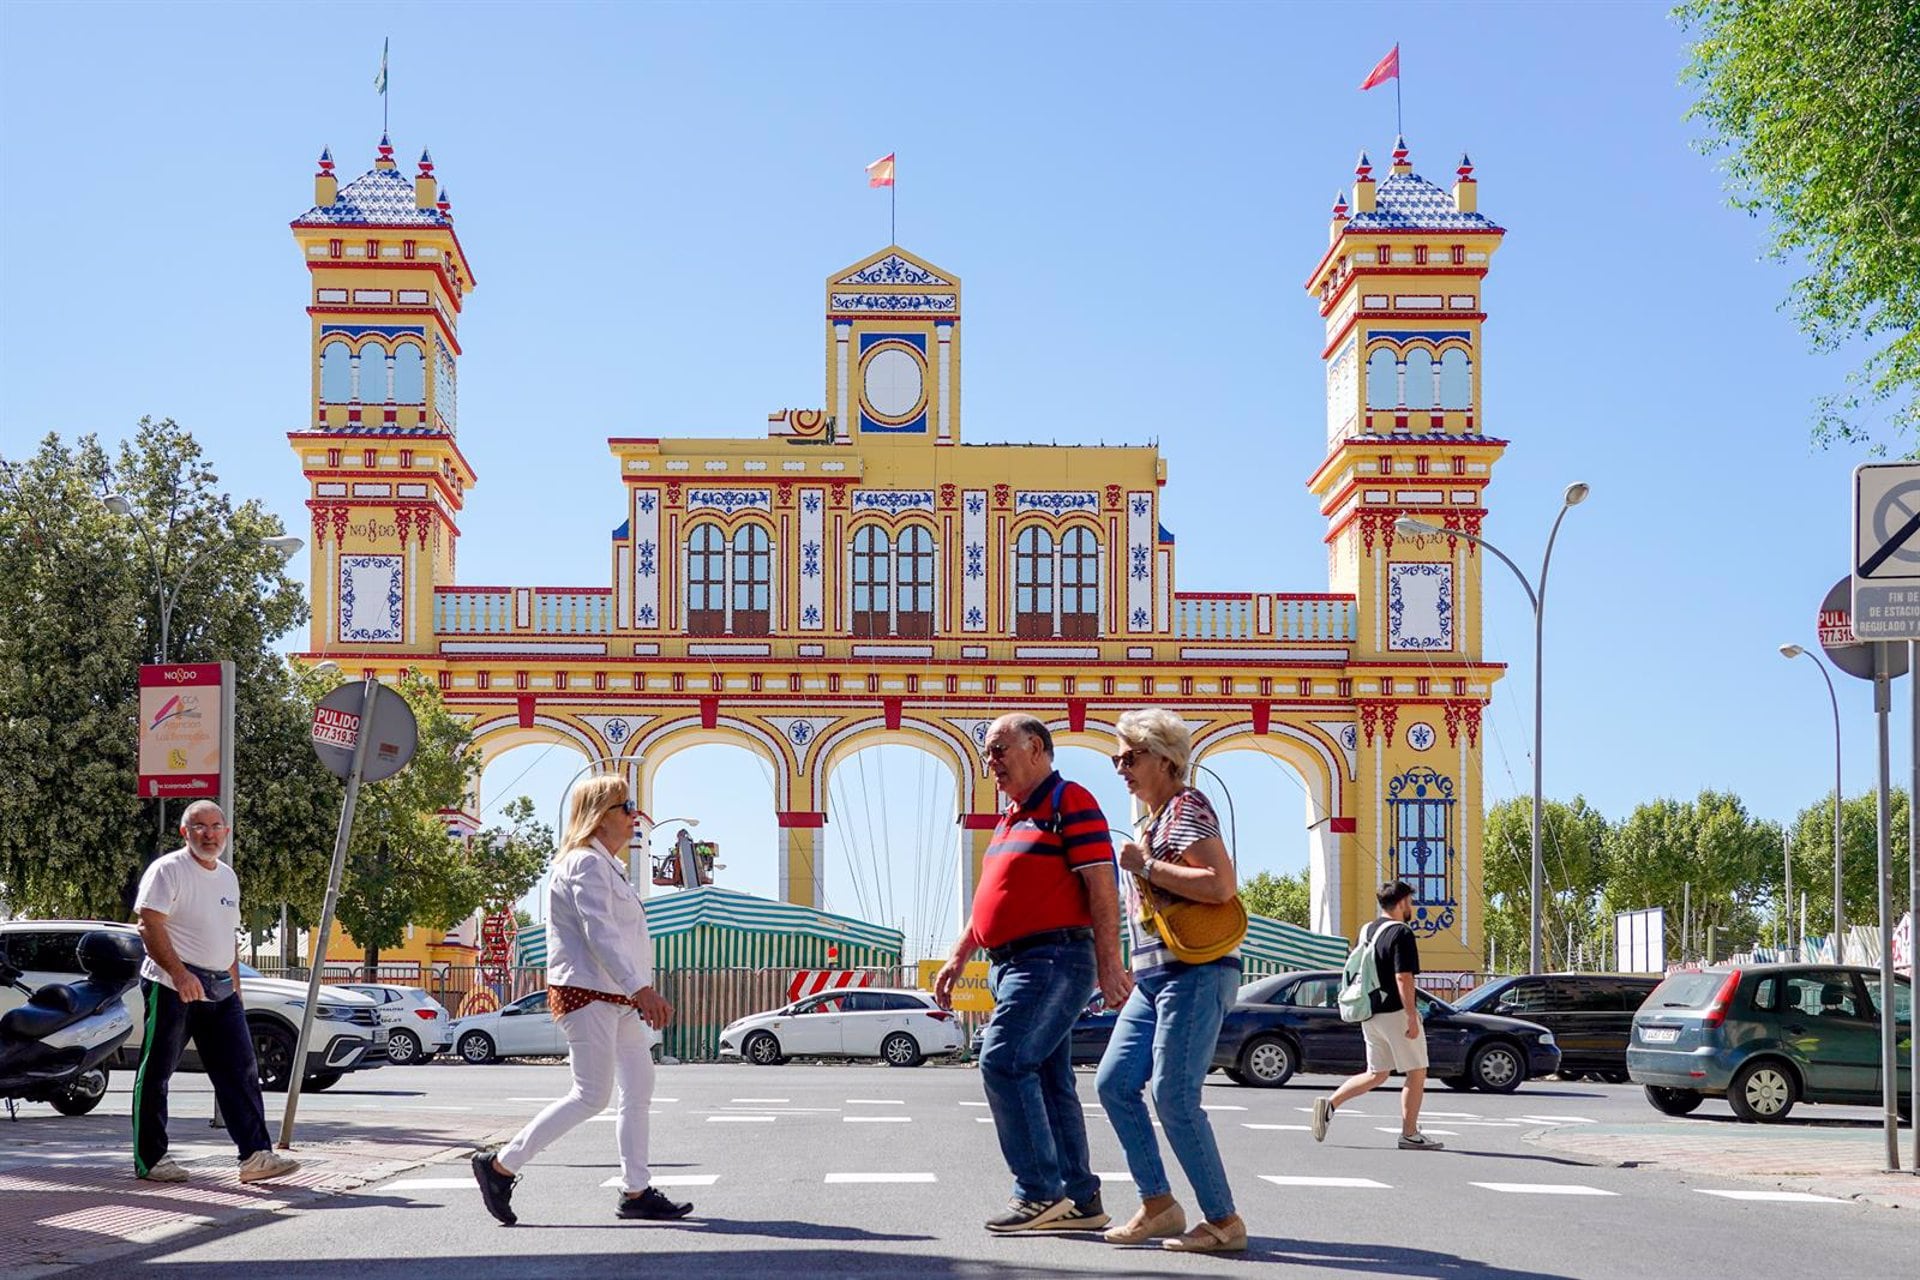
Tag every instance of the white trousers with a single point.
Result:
(610, 1046)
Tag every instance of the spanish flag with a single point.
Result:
(1388, 68)
(880, 172)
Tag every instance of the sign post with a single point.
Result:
(363, 732)
(1886, 607)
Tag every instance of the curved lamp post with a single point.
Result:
(1575, 495)
(1839, 890)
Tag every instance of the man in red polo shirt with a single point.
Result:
(1047, 913)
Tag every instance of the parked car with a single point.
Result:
(347, 1035)
(1590, 1015)
(1090, 1033)
(417, 1024)
(522, 1028)
(1767, 1037)
(899, 1026)
(1290, 1022)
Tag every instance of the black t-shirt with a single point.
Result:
(1394, 952)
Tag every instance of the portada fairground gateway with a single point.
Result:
(858, 574)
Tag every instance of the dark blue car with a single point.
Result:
(1290, 1023)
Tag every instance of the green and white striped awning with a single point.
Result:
(1273, 946)
(530, 947)
(729, 909)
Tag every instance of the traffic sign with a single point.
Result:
(1886, 551)
(336, 726)
(1846, 650)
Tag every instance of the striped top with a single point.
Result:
(1183, 822)
(1029, 878)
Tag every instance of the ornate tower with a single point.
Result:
(386, 479)
(893, 351)
(1400, 290)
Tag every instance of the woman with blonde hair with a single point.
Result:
(1166, 1031)
(600, 988)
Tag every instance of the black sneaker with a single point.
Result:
(1026, 1215)
(1085, 1215)
(651, 1204)
(496, 1188)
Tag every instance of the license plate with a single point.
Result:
(1660, 1035)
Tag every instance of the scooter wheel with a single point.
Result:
(83, 1095)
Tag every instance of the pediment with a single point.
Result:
(893, 266)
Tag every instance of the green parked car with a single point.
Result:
(1767, 1037)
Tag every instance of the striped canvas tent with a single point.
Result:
(1273, 946)
(530, 947)
(715, 928)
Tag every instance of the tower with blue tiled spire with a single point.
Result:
(388, 279)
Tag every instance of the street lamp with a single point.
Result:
(1839, 894)
(1575, 495)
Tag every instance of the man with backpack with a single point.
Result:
(1376, 990)
(1047, 914)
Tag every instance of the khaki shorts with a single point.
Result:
(1388, 1048)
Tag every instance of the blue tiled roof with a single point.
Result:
(1408, 202)
(381, 197)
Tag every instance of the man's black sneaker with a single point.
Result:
(496, 1188)
(1085, 1215)
(1026, 1215)
(652, 1205)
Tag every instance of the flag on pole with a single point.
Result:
(380, 81)
(880, 172)
(1388, 68)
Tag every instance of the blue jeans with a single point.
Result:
(1026, 1066)
(1166, 1032)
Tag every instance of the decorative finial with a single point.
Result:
(1340, 204)
(1466, 166)
(386, 146)
(1363, 167)
(426, 161)
(326, 159)
(445, 203)
(1400, 147)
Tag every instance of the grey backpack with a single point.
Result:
(1361, 976)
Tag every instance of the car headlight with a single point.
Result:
(1546, 1037)
(331, 1012)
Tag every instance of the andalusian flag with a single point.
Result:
(880, 172)
(380, 81)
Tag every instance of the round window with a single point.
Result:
(892, 383)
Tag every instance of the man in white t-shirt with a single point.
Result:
(189, 909)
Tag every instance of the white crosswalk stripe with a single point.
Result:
(877, 1119)
(836, 1179)
(1284, 1180)
(1543, 1189)
(673, 1180)
(1778, 1197)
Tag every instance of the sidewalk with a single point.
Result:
(1843, 1160)
(68, 1195)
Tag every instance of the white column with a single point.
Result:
(842, 335)
(944, 332)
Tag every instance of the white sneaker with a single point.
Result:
(1322, 1113)
(262, 1165)
(167, 1170)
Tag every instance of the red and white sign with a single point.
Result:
(335, 728)
(811, 982)
(182, 710)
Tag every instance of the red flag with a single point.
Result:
(1388, 68)
(880, 172)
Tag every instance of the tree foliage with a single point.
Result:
(1814, 108)
(79, 611)
(1575, 856)
(1812, 836)
(1708, 854)
(1281, 897)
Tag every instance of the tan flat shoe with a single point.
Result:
(1207, 1238)
(1142, 1226)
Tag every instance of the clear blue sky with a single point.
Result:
(653, 194)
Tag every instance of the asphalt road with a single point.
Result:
(812, 1169)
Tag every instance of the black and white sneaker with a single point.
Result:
(1026, 1215)
(496, 1188)
(1417, 1141)
(1085, 1215)
(651, 1204)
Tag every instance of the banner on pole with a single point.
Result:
(183, 710)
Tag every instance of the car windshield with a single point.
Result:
(1686, 990)
(248, 971)
(1261, 990)
(1480, 998)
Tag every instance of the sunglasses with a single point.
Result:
(206, 828)
(998, 751)
(1128, 758)
(627, 807)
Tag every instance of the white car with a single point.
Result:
(522, 1029)
(347, 1035)
(418, 1026)
(897, 1025)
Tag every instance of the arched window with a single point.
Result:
(914, 616)
(1456, 380)
(1033, 585)
(872, 580)
(1383, 390)
(336, 373)
(706, 581)
(409, 375)
(1420, 379)
(1079, 584)
(1422, 802)
(752, 581)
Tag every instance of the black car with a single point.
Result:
(1291, 1022)
(1590, 1015)
(1090, 1033)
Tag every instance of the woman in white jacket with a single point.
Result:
(600, 987)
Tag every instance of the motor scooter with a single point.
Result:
(55, 1047)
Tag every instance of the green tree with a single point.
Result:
(79, 613)
(1812, 836)
(509, 859)
(1814, 108)
(1283, 897)
(1575, 856)
(1730, 859)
